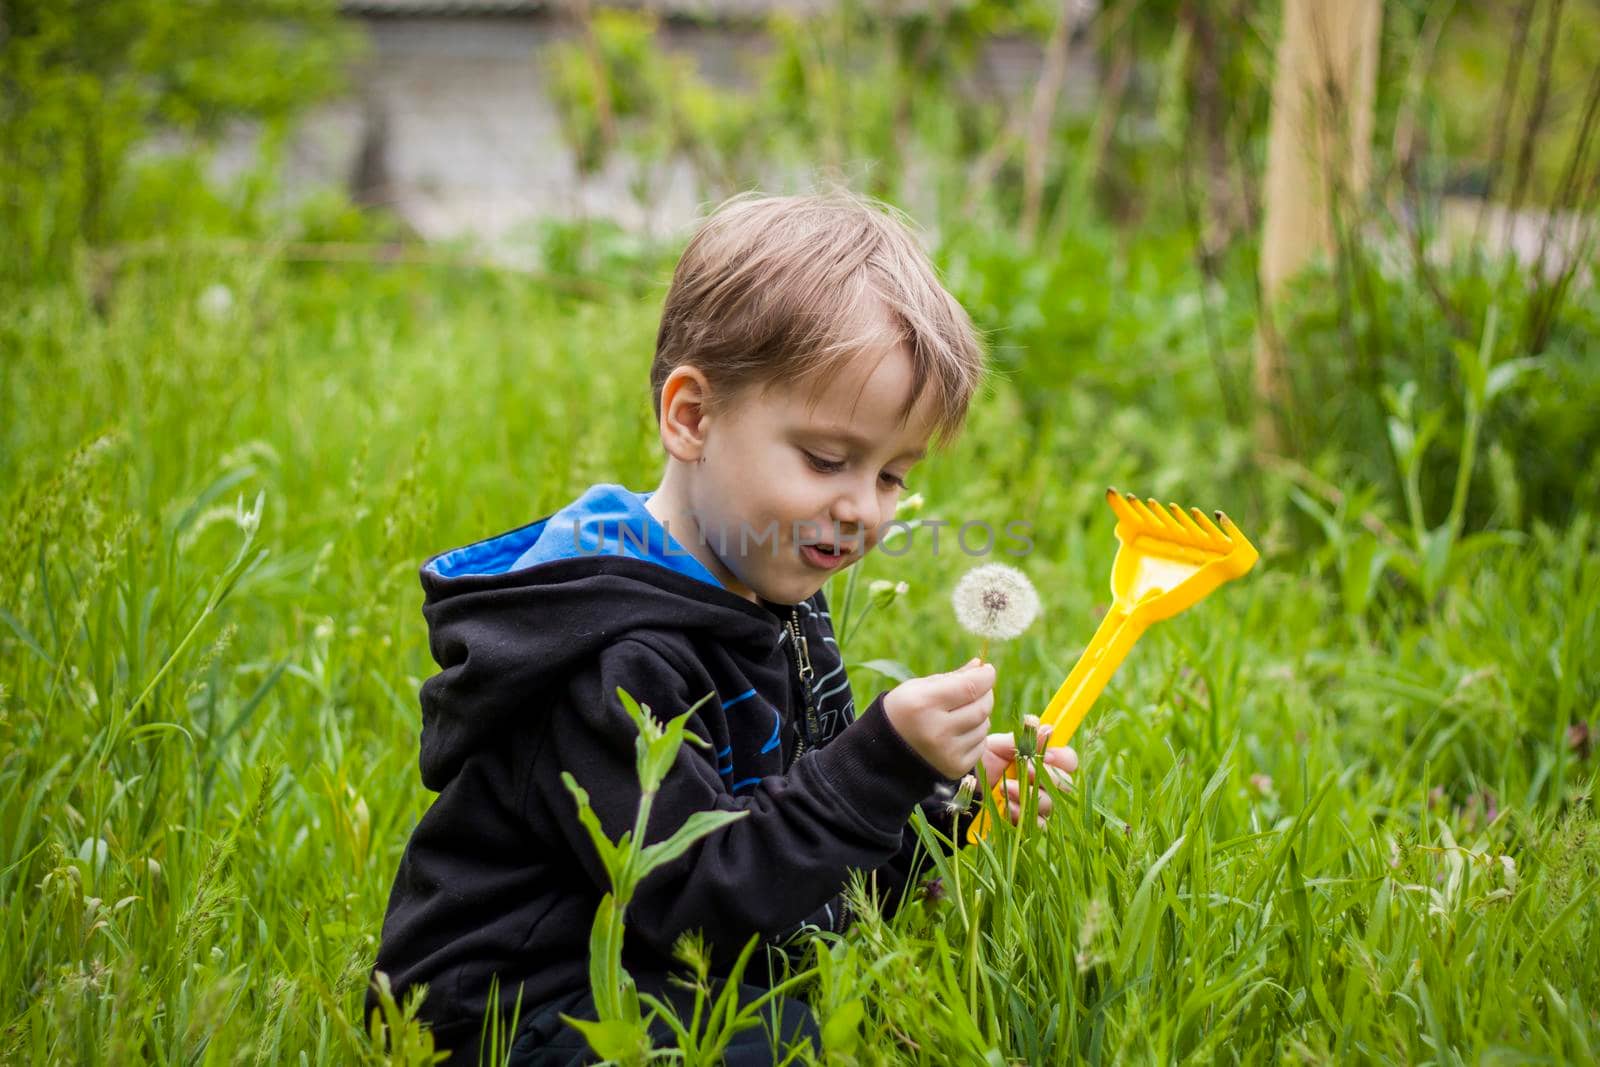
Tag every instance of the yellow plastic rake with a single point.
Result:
(1168, 560)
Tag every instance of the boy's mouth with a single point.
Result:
(825, 556)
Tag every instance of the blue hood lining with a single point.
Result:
(607, 519)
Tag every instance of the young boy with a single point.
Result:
(807, 356)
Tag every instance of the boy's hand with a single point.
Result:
(944, 717)
(1000, 751)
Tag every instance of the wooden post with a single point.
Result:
(1318, 155)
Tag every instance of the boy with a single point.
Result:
(806, 357)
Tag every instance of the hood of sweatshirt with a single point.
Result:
(511, 616)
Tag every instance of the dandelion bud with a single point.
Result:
(884, 592)
(1028, 737)
(909, 505)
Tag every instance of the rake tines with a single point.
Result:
(1172, 523)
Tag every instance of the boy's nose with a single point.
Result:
(856, 517)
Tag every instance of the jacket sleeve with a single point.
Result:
(911, 861)
(840, 806)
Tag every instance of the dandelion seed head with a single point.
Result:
(216, 302)
(995, 601)
(963, 798)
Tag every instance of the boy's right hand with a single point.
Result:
(945, 717)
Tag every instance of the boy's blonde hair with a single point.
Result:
(776, 290)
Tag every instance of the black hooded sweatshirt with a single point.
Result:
(500, 878)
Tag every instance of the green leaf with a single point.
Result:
(693, 829)
(613, 1039)
(605, 958)
(1407, 567)
(890, 668)
(1436, 546)
(26, 638)
(842, 1032)
(1581, 899)
(640, 714)
(1508, 374)
(1432, 423)
(1402, 440)
(1330, 525)
(609, 855)
(1472, 370)
(657, 760)
(1363, 564)
(1135, 927)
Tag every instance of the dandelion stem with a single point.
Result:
(972, 956)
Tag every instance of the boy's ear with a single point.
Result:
(684, 420)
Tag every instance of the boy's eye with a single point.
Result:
(826, 466)
(834, 466)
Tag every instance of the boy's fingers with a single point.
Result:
(1015, 815)
(1043, 805)
(1064, 757)
(1059, 775)
(1003, 745)
(972, 741)
(962, 686)
(969, 712)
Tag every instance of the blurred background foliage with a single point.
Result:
(1094, 244)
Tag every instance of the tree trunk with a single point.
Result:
(1318, 159)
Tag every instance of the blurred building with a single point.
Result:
(451, 124)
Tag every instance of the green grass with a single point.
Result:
(1280, 844)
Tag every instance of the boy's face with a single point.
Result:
(782, 473)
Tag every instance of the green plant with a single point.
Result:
(620, 1031)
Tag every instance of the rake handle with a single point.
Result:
(1105, 652)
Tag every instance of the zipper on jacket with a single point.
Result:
(812, 726)
(802, 657)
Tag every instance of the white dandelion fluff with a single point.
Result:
(995, 602)
(963, 796)
(216, 302)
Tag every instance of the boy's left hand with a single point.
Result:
(1000, 751)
